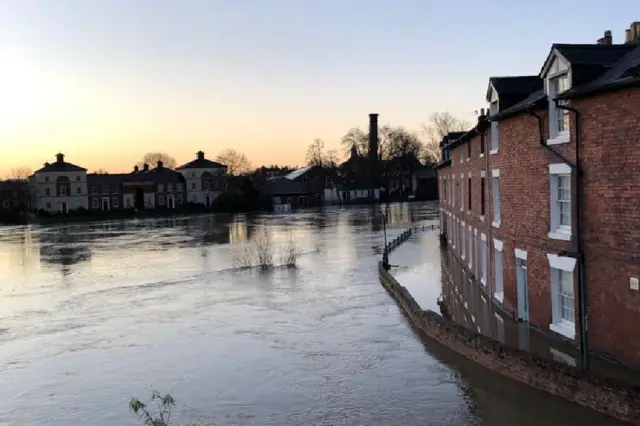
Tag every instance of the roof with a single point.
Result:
(625, 73)
(592, 54)
(426, 173)
(13, 185)
(60, 166)
(284, 187)
(201, 163)
(158, 175)
(450, 137)
(534, 99)
(106, 178)
(443, 163)
(297, 173)
(356, 184)
(512, 90)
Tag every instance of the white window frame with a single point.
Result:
(469, 177)
(470, 247)
(462, 193)
(558, 324)
(498, 291)
(476, 253)
(495, 195)
(483, 273)
(558, 69)
(463, 243)
(495, 127)
(483, 175)
(558, 231)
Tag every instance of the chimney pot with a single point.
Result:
(136, 169)
(46, 164)
(607, 39)
(200, 155)
(60, 158)
(159, 164)
(145, 167)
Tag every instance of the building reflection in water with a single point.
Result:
(64, 247)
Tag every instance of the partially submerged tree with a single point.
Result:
(152, 158)
(237, 163)
(437, 127)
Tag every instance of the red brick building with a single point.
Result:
(542, 197)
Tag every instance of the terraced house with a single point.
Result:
(541, 199)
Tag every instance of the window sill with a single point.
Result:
(462, 257)
(564, 328)
(469, 212)
(482, 218)
(499, 296)
(558, 140)
(483, 282)
(495, 224)
(560, 234)
(470, 266)
(493, 151)
(482, 155)
(468, 158)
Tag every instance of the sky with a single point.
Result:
(107, 81)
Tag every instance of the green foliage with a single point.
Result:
(162, 416)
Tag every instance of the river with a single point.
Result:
(93, 314)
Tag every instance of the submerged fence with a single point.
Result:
(404, 236)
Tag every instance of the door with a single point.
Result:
(523, 297)
(105, 204)
(64, 208)
(171, 202)
(207, 201)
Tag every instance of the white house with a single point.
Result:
(60, 187)
(205, 179)
(350, 192)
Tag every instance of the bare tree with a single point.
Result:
(331, 158)
(315, 153)
(358, 138)
(22, 172)
(437, 127)
(101, 172)
(152, 158)
(237, 163)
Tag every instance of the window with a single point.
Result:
(461, 192)
(499, 289)
(463, 243)
(305, 180)
(562, 295)
(169, 187)
(161, 200)
(206, 185)
(470, 248)
(160, 187)
(48, 205)
(193, 185)
(95, 203)
(558, 117)
(95, 189)
(483, 256)
(469, 193)
(178, 186)
(47, 192)
(453, 190)
(79, 191)
(5, 204)
(482, 199)
(560, 197)
(179, 198)
(328, 182)
(495, 187)
(444, 189)
(495, 128)
(46, 178)
(78, 178)
(115, 202)
(105, 189)
(63, 190)
(482, 142)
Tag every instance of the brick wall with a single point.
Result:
(601, 394)
(610, 155)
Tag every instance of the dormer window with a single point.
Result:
(557, 76)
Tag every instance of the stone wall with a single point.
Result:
(599, 393)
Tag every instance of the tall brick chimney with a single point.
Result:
(607, 39)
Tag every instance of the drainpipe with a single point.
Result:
(578, 254)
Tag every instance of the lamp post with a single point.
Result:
(385, 254)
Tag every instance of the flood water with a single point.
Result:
(93, 314)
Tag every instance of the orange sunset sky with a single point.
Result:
(106, 82)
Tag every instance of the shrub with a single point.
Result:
(162, 417)
(263, 250)
(290, 253)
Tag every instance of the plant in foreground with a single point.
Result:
(162, 417)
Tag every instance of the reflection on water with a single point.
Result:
(157, 303)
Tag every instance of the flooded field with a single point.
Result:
(93, 314)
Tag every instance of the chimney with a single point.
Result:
(145, 167)
(60, 158)
(160, 164)
(632, 34)
(607, 39)
(373, 134)
(136, 169)
(200, 155)
(46, 164)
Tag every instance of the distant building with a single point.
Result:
(14, 195)
(160, 187)
(205, 179)
(61, 187)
